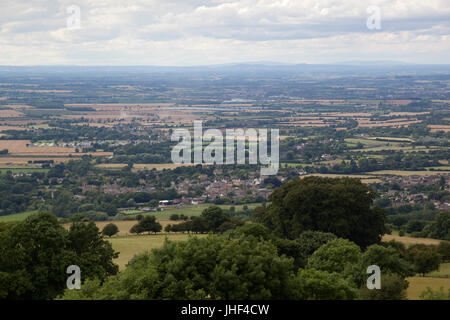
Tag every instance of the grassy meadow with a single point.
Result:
(131, 245)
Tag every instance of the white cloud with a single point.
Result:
(177, 32)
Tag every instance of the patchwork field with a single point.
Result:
(25, 148)
(16, 216)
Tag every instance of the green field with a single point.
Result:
(22, 169)
(293, 165)
(16, 216)
(443, 272)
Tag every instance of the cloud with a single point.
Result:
(178, 32)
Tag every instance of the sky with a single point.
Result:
(202, 32)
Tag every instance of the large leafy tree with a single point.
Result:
(94, 254)
(216, 216)
(147, 223)
(440, 229)
(388, 259)
(110, 229)
(35, 254)
(425, 258)
(340, 206)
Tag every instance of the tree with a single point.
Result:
(216, 216)
(441, 226)
(137, 229)
(33, 258)
(110, 229)
(335, 256)
(313, 284)
(340, 206)
(149, 224)
(94, 254)
(425, 258)
(388, 259)
(415, 225)
(253, 229)
(309, 242)
(35, 253)
(444, 250)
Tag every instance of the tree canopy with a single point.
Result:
(340, 206)
(35, 253)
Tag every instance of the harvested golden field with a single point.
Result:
(144, 113)
(129, 246)
(23, 148)
(10, 114)
(419, 284)
(372, 124)
(347, 114)
(410, 240)
(436, 128)
(22, 122)
(406, 173)
(399, 102)
(330, 175)
(4, 128)
(19, 106)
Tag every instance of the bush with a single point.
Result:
(334, 256)
(444, 250)
(321, 285)
(393, 287)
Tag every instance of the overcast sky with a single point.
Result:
(194, 32)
